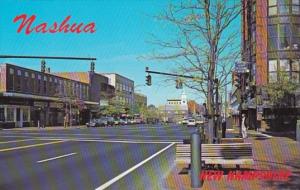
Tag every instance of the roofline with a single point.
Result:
(9, 64)
(118, 75)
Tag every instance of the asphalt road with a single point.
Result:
(78, 158)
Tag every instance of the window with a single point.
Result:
(26, 115)
(33, 75)
(11, 71)
(272, 11)
(272, 77)
(10, 114)
(2, 116)
(284, 65)
(272, 2)
(272, 30)
(272, 65)
(272, 71)
(295, 70)
(26, 74)
(19, 73)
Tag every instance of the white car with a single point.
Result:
(185, 122)
(191, 123)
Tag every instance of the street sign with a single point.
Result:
(241, 67)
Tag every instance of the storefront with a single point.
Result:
(15, 113)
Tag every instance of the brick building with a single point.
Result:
(28, 96)
(271, 42)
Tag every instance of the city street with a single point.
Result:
(78, 158)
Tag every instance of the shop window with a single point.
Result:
(26, 115)
(10, 114)
(2, 116)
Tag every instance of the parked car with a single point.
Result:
(185, 121)
(123, 122)
(116, 121)
(101, 122)
(110, 120)
(191, 123)
(92, 123)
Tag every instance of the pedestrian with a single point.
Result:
(65, 121)
(244, 128)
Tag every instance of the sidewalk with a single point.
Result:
(269, 154)
(46, 128)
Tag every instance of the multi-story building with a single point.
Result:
(28, 97)
(140, 99)
(271, 42)
(100, 91)
(124, 89)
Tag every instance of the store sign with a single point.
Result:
(56, 105)
(40, 104)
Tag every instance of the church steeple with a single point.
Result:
(183, 98)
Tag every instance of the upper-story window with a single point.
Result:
(11, 71)
(26, 74)
(273, 7)
(19, 72)
(295, 6)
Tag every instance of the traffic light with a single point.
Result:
(43, 66)
(178, 84)
(148, 80)
(92, 66)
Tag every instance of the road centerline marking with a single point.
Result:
(123, 174)
(29, 146)
(57, 157)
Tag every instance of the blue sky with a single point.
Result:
(122, 31)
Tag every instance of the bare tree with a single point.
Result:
(204, 45)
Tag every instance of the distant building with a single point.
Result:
(29, 97)
(140, 99)
(175, 109)
(100, 89)
(124, 89)
(194, 108)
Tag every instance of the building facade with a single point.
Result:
(124, 89)
(99, 88)
(270, 43)
(140, 100)
(175, 109)
(29, 97)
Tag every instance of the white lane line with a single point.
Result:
(115, 141)
(54, 158)
(94, 135)
(4, 142)
(103, 140)
(120, 176)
